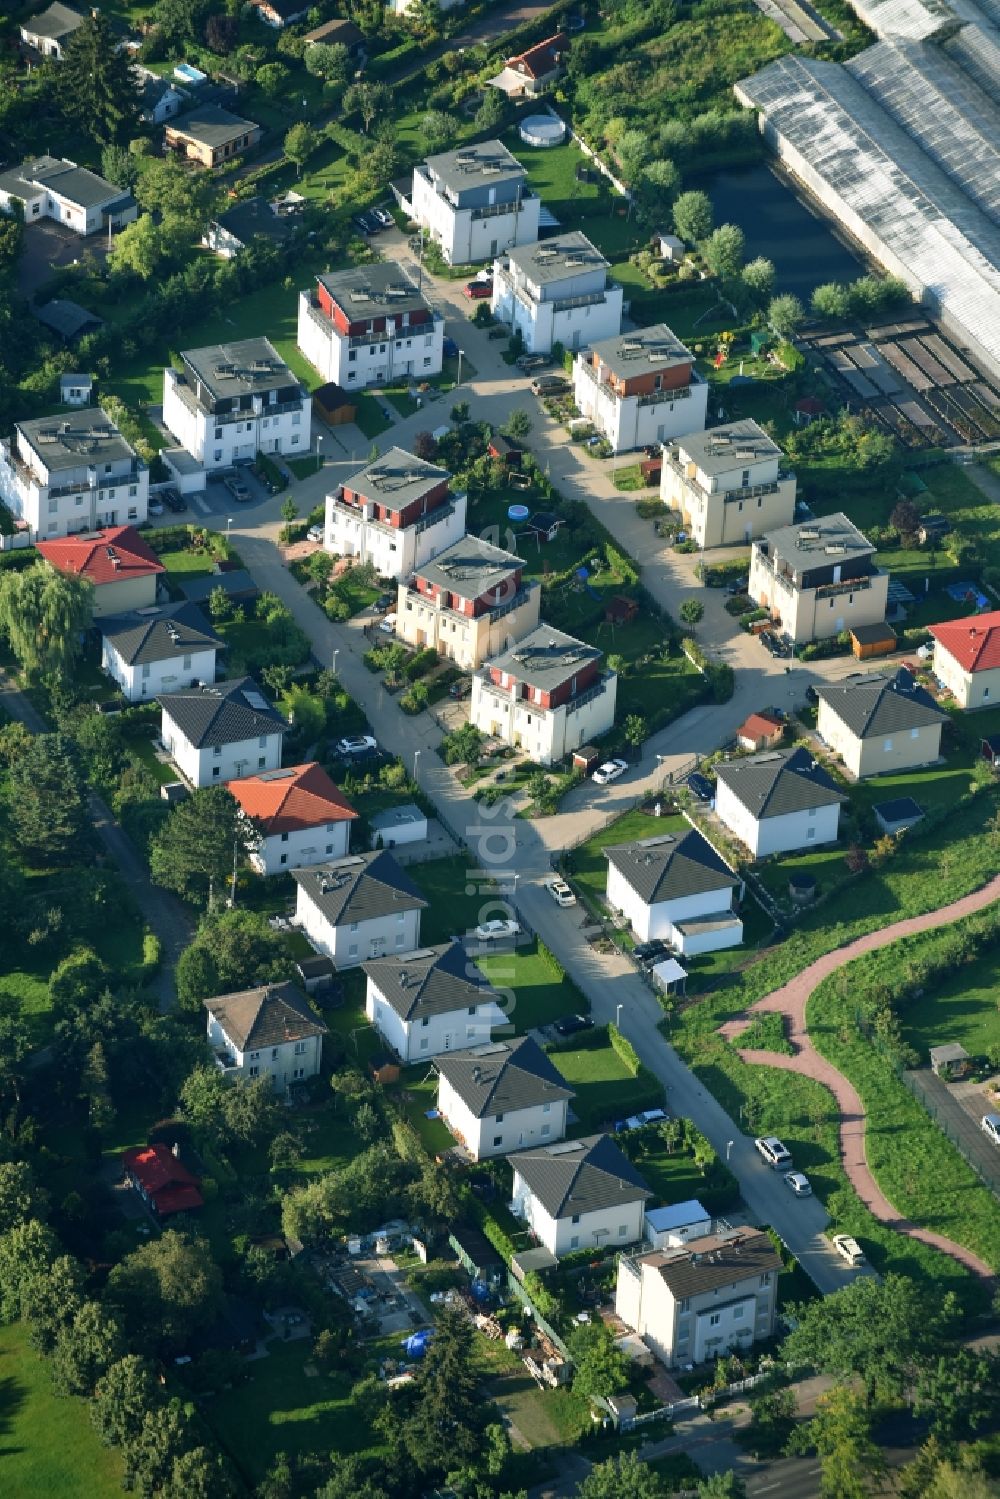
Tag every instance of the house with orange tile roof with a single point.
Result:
(760, 731)
(967, 659)
(122, 566)
(533, 72)
(300, 817)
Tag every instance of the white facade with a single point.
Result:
(429, 1035)
(557, 291)
(147, 679)
(287, 1063)
(661, 919)
(546, 734)
(499, 1134)
(397, 353)
(41, 485)
(51, 188)
(638, 421)
(727, 484)
(231, 401)
(774, 835)
(471, 218)
(213, 765)
(281, 852)
(607, 1228)
(354, 942)
(395, 551)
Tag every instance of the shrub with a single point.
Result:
(624, 1050)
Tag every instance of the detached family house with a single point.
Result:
(779, 801)
(640, 388)
(50, 187)
(818, 578)
(880, 724)
(475, 201)
(165, 1186)
(429, 1001)
(299, 815)
(468, 602)
(678, 889)
(121, 566)
(210, 135)
(369, 325)
(396, 513)
(49, 31)
(216, 734)
(579, 1194)
(534, 72)
(359, 908)
(728, 484)
(557, 291)
(158, 650)
(272, 1031)
(967, 659)
(72, 473)
(502, 1096)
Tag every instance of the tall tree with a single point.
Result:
(758, 278)
(44, 614)
(120, 166)
(448, 1415)
(198, 844)
(50, 1301)
(785, 314)
(21, 1197)
(958, 1393)
(329, 61)
(184, 200)
(601, 1368)
(623, 1477)
(141, 248)
(851, 1464)
(47, 799)
(85, 1350)
(165, 1289)
(26, 1252)
(693, 216)
(122, 1398)
(232, 950)
(96, 85)
(301, 140)
(724, 250)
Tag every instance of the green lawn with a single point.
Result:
(540, 996)
(460, 897)
(963, 1009)
(47, 1445)
(304, 468)
(588, 865)
(356, 594)
(605, 1089)
(30, 990)
(190, 564)
(417, 1095)
(370, 419)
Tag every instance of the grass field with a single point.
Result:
(540, 995)
(605, 1089)
(47, 1445)
(963, 1009)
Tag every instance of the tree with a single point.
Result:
(77, 981)
(785, 314)
(438, 130)
(50, 1301)
(222, 34)
(492, 112)
(15, 1043)
(121, 1399)
(623, 1477)
(47, 799)
(518, 425)
(424, 445)
(26, 1252)
(197, 1474)
(462, 747)
(905, 519)
(693, 217)
(178, 20)
(198, 844)
(44, 614)
(120, 166)
(327, 60)
(724, 251)
(96, 85)
(656, 189)
(632, 152)
(301, 140)
(850, 1462)
(94, 1087)
(21, 1197)
(85, 1350)
(831, 300)
(721, 1486)
(601, 1368)
(307, 714)
(367, 100)
(424, 17)
(140, 249)
(161, 1440)
(249, 1109)
(165, 1289)
(758, 278)
(635, 730)
(184, 200)
(232, 950)
(271, 79)
(692, 611)
(958, 1393)
(447, 1417)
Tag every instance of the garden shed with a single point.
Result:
(872, 640)
(950, 1061)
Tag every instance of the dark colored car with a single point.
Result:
(173, 501)
(812, 696)
(383, 602)
(648, 952)
(367, 223)
(449, 348)
(460, 689)
(572, 1024)
(701, 786)
(737, 585)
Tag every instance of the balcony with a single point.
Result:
(583, 299)
(499, 210)
(356, 513)
(225, 1061)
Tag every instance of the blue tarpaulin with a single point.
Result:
(480, 1290)
(416, 1344)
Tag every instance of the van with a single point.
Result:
(771, 1150)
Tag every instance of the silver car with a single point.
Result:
(991, 1126)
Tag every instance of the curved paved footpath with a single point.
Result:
(791, 1000)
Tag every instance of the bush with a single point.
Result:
(420, 664)
(624, 1050)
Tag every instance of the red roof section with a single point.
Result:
(543, 57)
(974, 642)
(759, 726)
(170, 1186)
(108, 556)
(289, 801)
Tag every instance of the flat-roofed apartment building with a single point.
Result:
(61, 475)
(230, 401)
(468, 603)
(818, 578)
(396, 513)
(640, 388)
(557, 291)
(475, 201)
(369, 325)
(728, 484)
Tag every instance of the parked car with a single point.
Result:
(460, 689)
(383, 602)
(573, 1024)
(449, 348)
(478, 290)
(383, 217)
(849, 1248)
(796, 1182)
(532, 361)
(315, 533)
(548, 385)
(560, 892)
(155, 505)
(239, 491)
(173, 500)
(737, 585)
(113, 705)
(812, 696)
(651, 951)
(701, 786)
(990, 1126)
(388, 624)
(771, 1150)
(609, 771)
(356, 744)
(367, 223)
(494, 931)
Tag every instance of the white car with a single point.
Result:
(990, 1125)
(609, 771)
(799, 1184)
(388, 624)
(155, 507)
(492, 931)
(560, 892)
(357, 744)
(773, 1152)
(315, 533)
(849, 1249)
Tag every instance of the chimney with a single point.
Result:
(476, 1074)
(175, 1150)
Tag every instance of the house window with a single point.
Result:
(472, 1009)
(274, 1053)
(297, 419)
(400, 938)
(546, 1129)
(352, 951)
(218, 433)
(498, 1139)
(423, 1044)
(499, 1119)
(299, 1072)
(261, 762)
(715, 1319)
(574, 1242)
(187, 659)
(353, 926)
(352, 356)
(133, 513)
(811, 833)
(283, 859)
(400, 916)
(575, 1218)
(622, 1230)
(263, 741)
(284, 837)
(215, 771)
(295, 442)
(218, 455)
(145, 668)
(427, 362)
(254, 1071)
(329, 848)
(300, 1048)
(812, 811)
(546, 1108)
(914, 733)
(425, 1021)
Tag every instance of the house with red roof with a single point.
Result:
(164, 1185)
(533, 72)
(967, 658)
(122, 566)
(299, 815)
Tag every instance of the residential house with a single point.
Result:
(76, 390)
(369, 325)
(779, 801)
(156, 650)
(547, 694)
(534, 72)
(238, 226)
(64, 474)
(271, 1031)
(160, 99)
(818, 578)
(123, 568)
(358, 908)
(728, 484)
(557, 291)
(502, 1096)
(967, 659)
(467, 603)
(761, 731)
(475, 201)
(211, 135)
(165, 1186)
(400, 7)
(298, 814)
(431, 1000)
(579, 1194)
(230, 401)
(337, 33)
(49, 31)
(704, 1299)
(280, 13)
(677, 889)
(640, 388)
(396, 513)
(880, 724)
(49, 187)
(218, 734)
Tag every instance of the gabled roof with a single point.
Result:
(503, 1076)
(115, 555)
(66, 318)
(973, 642)
(171, 1186)
(224, 714)
(668, 868)
(876, 704)
(268, 1016)
(542, 58)
(291, 800)
(54, 23)
(158, 634)
(779, 782)
(715, 1261)
(580, 1176)
(339, 30)
(211, 125)
(360, 888)
(431, 981)
(759, 726)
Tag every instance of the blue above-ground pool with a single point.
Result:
(517, 512)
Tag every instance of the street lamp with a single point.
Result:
(416, 758)
(336, 653)
(729, 1146)
(459, 379)
(229, 521)
(618, 1014)
(319, 448)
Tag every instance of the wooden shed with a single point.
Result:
(334, 405)
(586, 758)
(872, 640)
(505, 450)
(621, 610)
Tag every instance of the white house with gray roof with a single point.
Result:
(160, 649)
(430, 1000)
(579, 1194)
(217, 734)
(66, 474)
(49, 187)
(271, 1031)
(728, 484)
(676, 888)
(546, 694)
(640, 388)
(779, 801)
(358, 908)
(468, 602)
(880, 723)
(369, 325)
(475, 202)
(502, 1096)
(231, 401)
(397, 513)
(50, 30)
(818, 578)
(557, 291)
